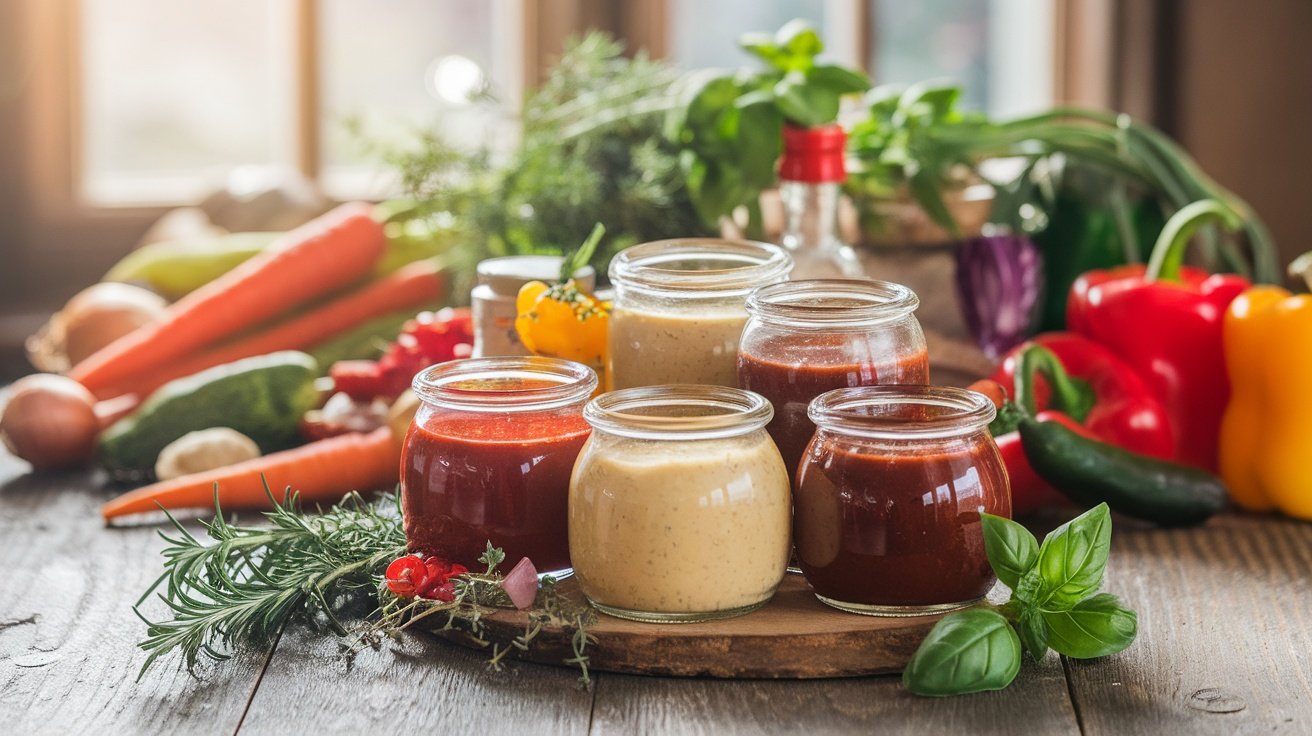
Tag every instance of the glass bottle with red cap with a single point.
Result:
(810, 174)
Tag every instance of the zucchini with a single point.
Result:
(263, 397)
(1090, 472)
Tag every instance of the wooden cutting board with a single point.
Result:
(794, 636)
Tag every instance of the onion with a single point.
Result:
(95, 317)
(50, 421)
(521, 584)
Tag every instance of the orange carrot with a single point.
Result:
(322, 472)
(414, 286)
(319, 257)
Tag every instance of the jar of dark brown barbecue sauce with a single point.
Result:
(886, 517)
(489, 455)
(804, 338)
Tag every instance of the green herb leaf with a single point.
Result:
(1011, 549)
(966, 652)
(804, 103)
(581, 255)
(1094, 627)
(800, 43)
(1033, 631)
(1071, 562)
(492, 557)
(840, 79)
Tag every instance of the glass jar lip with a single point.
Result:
(744, 266)
(453, 384)
(957, 411)
(832, 303)
(690, 412)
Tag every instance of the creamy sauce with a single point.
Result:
(651, 348)
(680, 527)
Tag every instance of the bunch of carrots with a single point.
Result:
(314, 269)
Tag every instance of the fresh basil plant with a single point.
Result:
(1054, 604)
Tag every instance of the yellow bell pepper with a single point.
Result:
(563, 321)
(1266, 433)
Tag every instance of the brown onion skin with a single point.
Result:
(50, 421)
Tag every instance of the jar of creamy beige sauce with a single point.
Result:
(680, 308)
(679, 506)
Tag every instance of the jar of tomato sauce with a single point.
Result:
(886, 516)
(489, 455)
(808, 337)
(679, 505)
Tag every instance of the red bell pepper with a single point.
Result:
(1069, 375)
(1164, 320)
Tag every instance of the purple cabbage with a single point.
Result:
(999, 282)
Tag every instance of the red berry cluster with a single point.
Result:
(427, 339)
(427, 577)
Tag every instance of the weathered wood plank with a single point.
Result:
(417, 685)
(1225, 622)
(68, 656)
(630, 704)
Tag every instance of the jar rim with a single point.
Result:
(489, 384)
(730, 267)
(679, 412)
(832, 303)
(873, 411)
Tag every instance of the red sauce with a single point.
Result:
(804, 373)
(469, 478)
(893, 528)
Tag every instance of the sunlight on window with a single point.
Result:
(418, 65)
(175, 94)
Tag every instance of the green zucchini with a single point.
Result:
(1090, 472)
(263, 397)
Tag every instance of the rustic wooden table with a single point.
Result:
(1225, 646)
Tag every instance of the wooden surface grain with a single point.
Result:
(1225, 646)
(794, 636)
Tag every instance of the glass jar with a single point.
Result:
(489, 455)
(679, 505)
(808, 337)
(492, 301)
(886, 517)
(680, 307)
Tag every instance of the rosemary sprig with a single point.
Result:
(244, 584)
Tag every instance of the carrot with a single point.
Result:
(414, 286)
(321, 256)
(322, 471)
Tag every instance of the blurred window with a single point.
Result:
(1000, 50)
(176, 95)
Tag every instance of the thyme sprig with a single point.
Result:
(240, 585)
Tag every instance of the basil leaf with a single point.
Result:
(838, 78)
(763, 46)
(966, 652)
(1033, 631)
(800, 42)
(759, 139)
(1071, 562)
(804, 103)
(1012, 550)
(1094, 627)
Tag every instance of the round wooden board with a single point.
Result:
(794, 636)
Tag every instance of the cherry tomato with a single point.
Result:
(406, 576)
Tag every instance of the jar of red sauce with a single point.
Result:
(804, 338)
(489, 455)
(886, 516)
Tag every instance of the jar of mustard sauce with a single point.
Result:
(679, 504)
(680, 307)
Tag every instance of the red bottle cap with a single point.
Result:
(813, 155)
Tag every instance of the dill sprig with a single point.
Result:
(240, 585)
